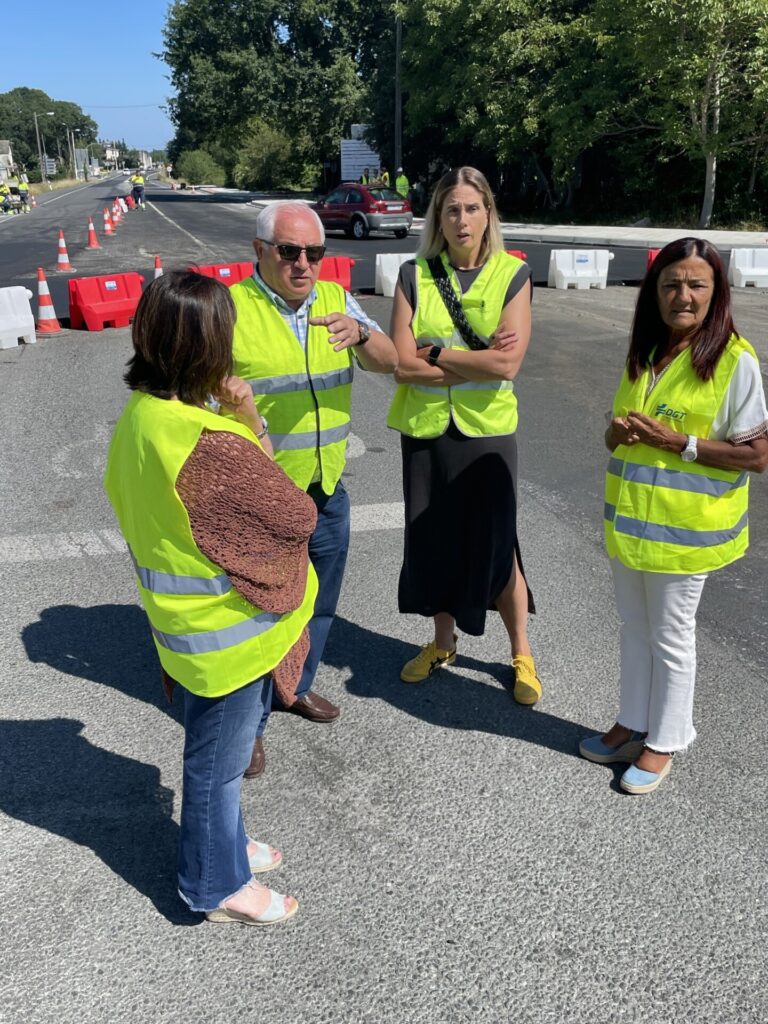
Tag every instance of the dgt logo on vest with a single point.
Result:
(662, 409)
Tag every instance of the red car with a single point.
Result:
(359, 209)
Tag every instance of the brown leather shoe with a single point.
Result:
(315, 708)
(258, 760)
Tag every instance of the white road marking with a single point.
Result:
(83, 458)
(63, 195)
(180, 228)
(52, 547)
(355, 447)
(49, 547)
(368, 518)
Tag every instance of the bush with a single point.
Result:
(266, 159)
(198, 168)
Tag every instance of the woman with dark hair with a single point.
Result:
(461, 322)
(218, 537)
(689, 423)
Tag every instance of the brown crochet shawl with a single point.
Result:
(249, 518)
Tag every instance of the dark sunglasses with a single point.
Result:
(291, 253)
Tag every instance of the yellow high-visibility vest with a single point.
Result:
(208, 637)
(662, 514)
(478, 407)
(306, 397)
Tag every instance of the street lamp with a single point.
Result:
(398, 93)
(88, 166)
(71, 147)
(47, 113)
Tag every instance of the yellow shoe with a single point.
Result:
(527, 684)
(426, 662)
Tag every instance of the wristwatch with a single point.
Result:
(365, 332)
(434, 355)
(264, 427)
(689, 453)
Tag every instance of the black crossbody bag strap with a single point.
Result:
(453, 305)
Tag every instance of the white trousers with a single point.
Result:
(658, 653)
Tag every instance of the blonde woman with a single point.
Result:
(461, 322)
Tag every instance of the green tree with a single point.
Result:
(266, 158)
(198, 168)
(17, 109)
(290, 63)
(700, 66)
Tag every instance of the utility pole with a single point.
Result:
(39, 149)
(398, 95)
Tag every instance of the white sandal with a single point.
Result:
(261, 859)
(275, 912)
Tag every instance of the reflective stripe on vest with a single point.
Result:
(292, 442)
(662, 514)
(673, 534)
(209, 638)
(217, 639)
(478, 408)
(169, 583)
(676, 479)
(470, 385)
(300, 382)
(305, 396)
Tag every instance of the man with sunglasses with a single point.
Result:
(297, 340)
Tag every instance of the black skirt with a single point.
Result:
(460, 525)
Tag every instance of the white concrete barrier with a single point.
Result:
(748, 267)
(387, 268)
(17, 321)
(578, 268)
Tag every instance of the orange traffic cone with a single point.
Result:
(62, 260)
(93, 242)
(108, 228)
(46, 322)
(158, 268)
(33, 202)
(117, 213)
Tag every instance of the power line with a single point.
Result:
(120, 106)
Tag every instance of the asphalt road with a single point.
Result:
(455, 861)
(172, 230)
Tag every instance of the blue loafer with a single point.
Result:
(593, 749)
(635, 780)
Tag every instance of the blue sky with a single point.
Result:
(98, 55)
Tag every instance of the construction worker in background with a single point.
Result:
(384, 176)
(137, 188)
(401, 183)
(5, 198)
(365, 177)
(24, 195)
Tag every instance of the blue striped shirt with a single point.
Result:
(298, 319)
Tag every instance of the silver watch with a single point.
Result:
(689, 453)
(365, 332)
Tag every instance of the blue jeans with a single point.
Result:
(328, 548)
(219, 735)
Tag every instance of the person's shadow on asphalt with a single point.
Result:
(109, 644)
(449, 699)
(54, 778)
